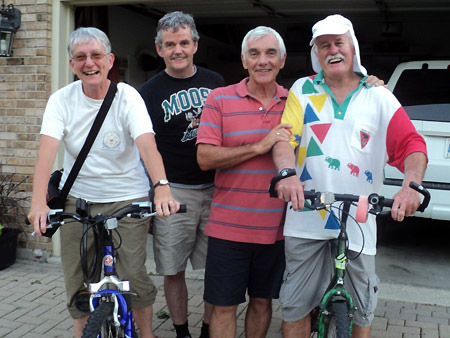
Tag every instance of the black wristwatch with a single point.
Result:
(160, 182)
(287, 172)
(284, 173)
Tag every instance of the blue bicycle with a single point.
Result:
(109, 299)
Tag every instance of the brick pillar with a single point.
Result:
(25, 85)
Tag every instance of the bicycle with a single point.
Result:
(109, 299)
(333, 317)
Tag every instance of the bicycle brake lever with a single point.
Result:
(426, 195)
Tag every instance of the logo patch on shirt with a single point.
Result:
(111, 140)
(365, 136)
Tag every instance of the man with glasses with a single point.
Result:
(111, 177)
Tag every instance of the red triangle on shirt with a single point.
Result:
(321, 130)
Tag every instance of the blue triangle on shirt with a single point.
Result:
(305, 175)
(310, 115)
(332, 223)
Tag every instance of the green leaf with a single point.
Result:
(161, 314)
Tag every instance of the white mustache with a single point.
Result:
(335, 56)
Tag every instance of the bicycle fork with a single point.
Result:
(122, 314)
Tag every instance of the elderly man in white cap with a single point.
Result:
(344, 132)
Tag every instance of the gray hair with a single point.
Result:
(175, 20)
(86, 35)
(258, 33)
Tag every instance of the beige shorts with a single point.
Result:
(182, 236)
(131, 255)
(309, 267)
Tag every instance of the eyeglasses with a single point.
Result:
(83, 57)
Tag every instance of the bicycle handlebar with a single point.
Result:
(320, 200)
(56, 217)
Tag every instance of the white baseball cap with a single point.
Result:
(335, 25)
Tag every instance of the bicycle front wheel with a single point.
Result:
(338, 324)
(101, 323)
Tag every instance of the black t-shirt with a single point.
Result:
(175, 106)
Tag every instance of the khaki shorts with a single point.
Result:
(182, 236)
(309, 268)
(131, 255)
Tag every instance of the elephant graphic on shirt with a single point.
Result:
(369, 177)
(354, 169)
(333, 163)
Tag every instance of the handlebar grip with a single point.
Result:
(49, 232)
(182, 209)
(309, 194)
(424, 192)
(388, 202)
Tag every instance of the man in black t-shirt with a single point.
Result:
(175, 99)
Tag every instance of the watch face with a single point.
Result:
(284, 172)
(163, 182)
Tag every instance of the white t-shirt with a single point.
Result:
(112, 170)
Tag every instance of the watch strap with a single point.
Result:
(161, 182)
(287, 172)
(284, 173)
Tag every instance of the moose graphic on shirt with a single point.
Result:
(190, 102)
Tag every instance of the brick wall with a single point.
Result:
(25, 85)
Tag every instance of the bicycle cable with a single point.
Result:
(340, 208)
(90, 268)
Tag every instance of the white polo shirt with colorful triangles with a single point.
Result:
(343, 148)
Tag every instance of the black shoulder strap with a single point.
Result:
(104, 108)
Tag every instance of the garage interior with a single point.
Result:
(388, 31)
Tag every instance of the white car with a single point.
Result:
(423, 88)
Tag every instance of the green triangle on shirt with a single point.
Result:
(308, 88)
(313, 149)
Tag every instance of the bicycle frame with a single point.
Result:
(122, 314)
(336, 290)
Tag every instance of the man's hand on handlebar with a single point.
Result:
(406, 202)
(38, 217)
(164, 202)
(290, 189)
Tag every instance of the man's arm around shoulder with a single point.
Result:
(211, 156)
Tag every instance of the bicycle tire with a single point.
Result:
(101, 322)
(338, 324)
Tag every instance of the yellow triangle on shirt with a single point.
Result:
(318, 101)
(301, 156)
(323, 213)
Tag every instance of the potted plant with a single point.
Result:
(12, 199)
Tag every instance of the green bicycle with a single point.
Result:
(333, 317)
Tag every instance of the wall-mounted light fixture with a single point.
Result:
(9, 23)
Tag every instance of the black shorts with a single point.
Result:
(232, 268)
